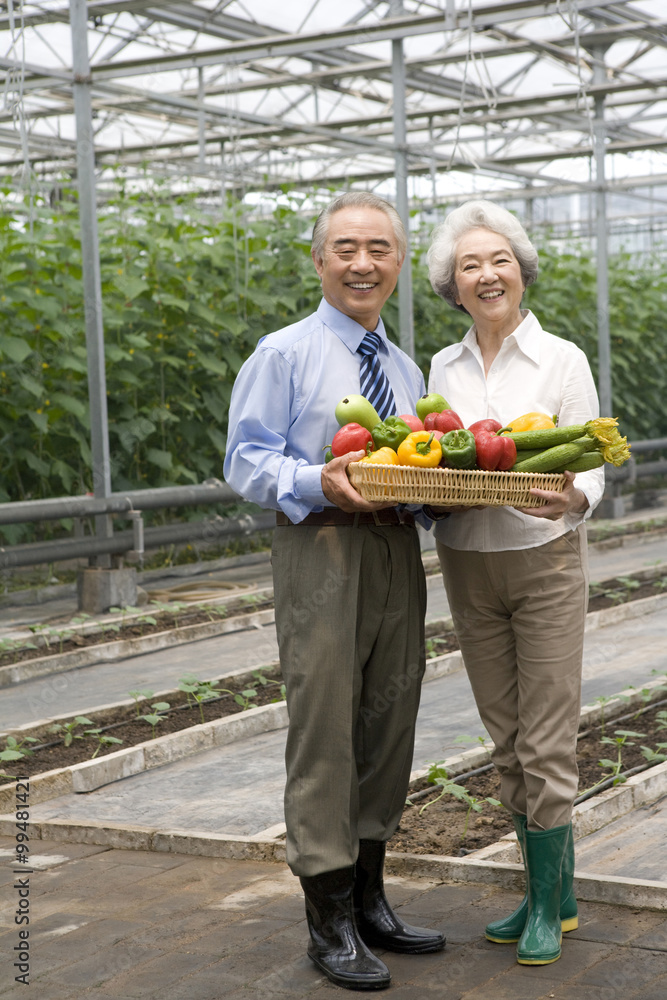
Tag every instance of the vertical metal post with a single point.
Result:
(201, 119)
(405, 311)
(92, 286)
(604, 348)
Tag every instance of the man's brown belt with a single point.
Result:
(334, 516)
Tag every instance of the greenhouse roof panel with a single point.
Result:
(252, 96)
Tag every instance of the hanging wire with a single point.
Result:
(461, 111)
(13, 100)
(571, 21)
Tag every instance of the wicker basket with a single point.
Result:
(442, 487)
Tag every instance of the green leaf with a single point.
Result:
(217, 438)
(70, 403)
(213, 364)
(13, 348)
(130, 286)
(160, 458)
(40, 420)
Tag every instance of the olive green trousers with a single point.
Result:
(350, 605)
(519, 617)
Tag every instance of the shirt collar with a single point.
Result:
(346, 328)
(526, 337)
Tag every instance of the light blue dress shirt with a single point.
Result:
(282, 411)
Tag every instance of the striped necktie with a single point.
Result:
(373, 383)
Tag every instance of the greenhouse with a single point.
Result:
(555, 110)
(333, 506)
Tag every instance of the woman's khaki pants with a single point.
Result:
(519, 617)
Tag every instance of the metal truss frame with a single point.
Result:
(183, 84)
(426, 101)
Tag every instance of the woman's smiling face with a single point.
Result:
(488, 279)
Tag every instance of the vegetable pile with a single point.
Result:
(435, 436)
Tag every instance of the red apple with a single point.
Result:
(413, 422)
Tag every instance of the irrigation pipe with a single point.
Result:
(204, 591)
(462, 778)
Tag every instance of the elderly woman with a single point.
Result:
(517, 580)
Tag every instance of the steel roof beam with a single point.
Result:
(294, 45)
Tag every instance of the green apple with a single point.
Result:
(354, 409)
(431, 402)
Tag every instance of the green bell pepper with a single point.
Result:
(459, 449)
(390, 433)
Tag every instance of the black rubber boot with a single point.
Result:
(377, 922)
(335, 945)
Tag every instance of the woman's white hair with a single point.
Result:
(441, 256)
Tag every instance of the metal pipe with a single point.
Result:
(604, 348)
(92, 286)
(657, 444)
(201, 119)
(405, 309)
(123, 541)
(632, 471)
(27, 511)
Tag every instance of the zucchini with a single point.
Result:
(547, 437)
(589, 460)
(526, 453)
(553, 458)
(589, 445)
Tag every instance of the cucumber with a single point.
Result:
(525, 454)
(562, 455)
(589, 460)
(547, 437)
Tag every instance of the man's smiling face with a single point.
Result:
(360, 264)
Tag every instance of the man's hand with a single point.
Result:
(570, 501)
(337, 487)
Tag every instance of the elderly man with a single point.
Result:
(349, 589)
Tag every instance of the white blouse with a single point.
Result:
(534, 370)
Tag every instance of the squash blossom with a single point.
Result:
(615, 449)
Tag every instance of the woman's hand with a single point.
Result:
(570, 501)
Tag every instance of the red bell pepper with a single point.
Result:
(351, 437)
(445, 422)
(493, 452)
(488, 424)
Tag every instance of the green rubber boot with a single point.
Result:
(509, 929)
(541, 939)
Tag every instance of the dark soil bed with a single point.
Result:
(607, 594)
(439, 829)
(62, 640)
(126, 724)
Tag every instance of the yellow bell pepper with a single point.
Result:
(531, 422)
(383, 456)
(420, 449)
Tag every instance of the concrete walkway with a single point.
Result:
(133, 925)
(75, 691)
(238, 789)
(120, 925)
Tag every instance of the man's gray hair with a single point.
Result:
(441, 256)
(357, 199)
